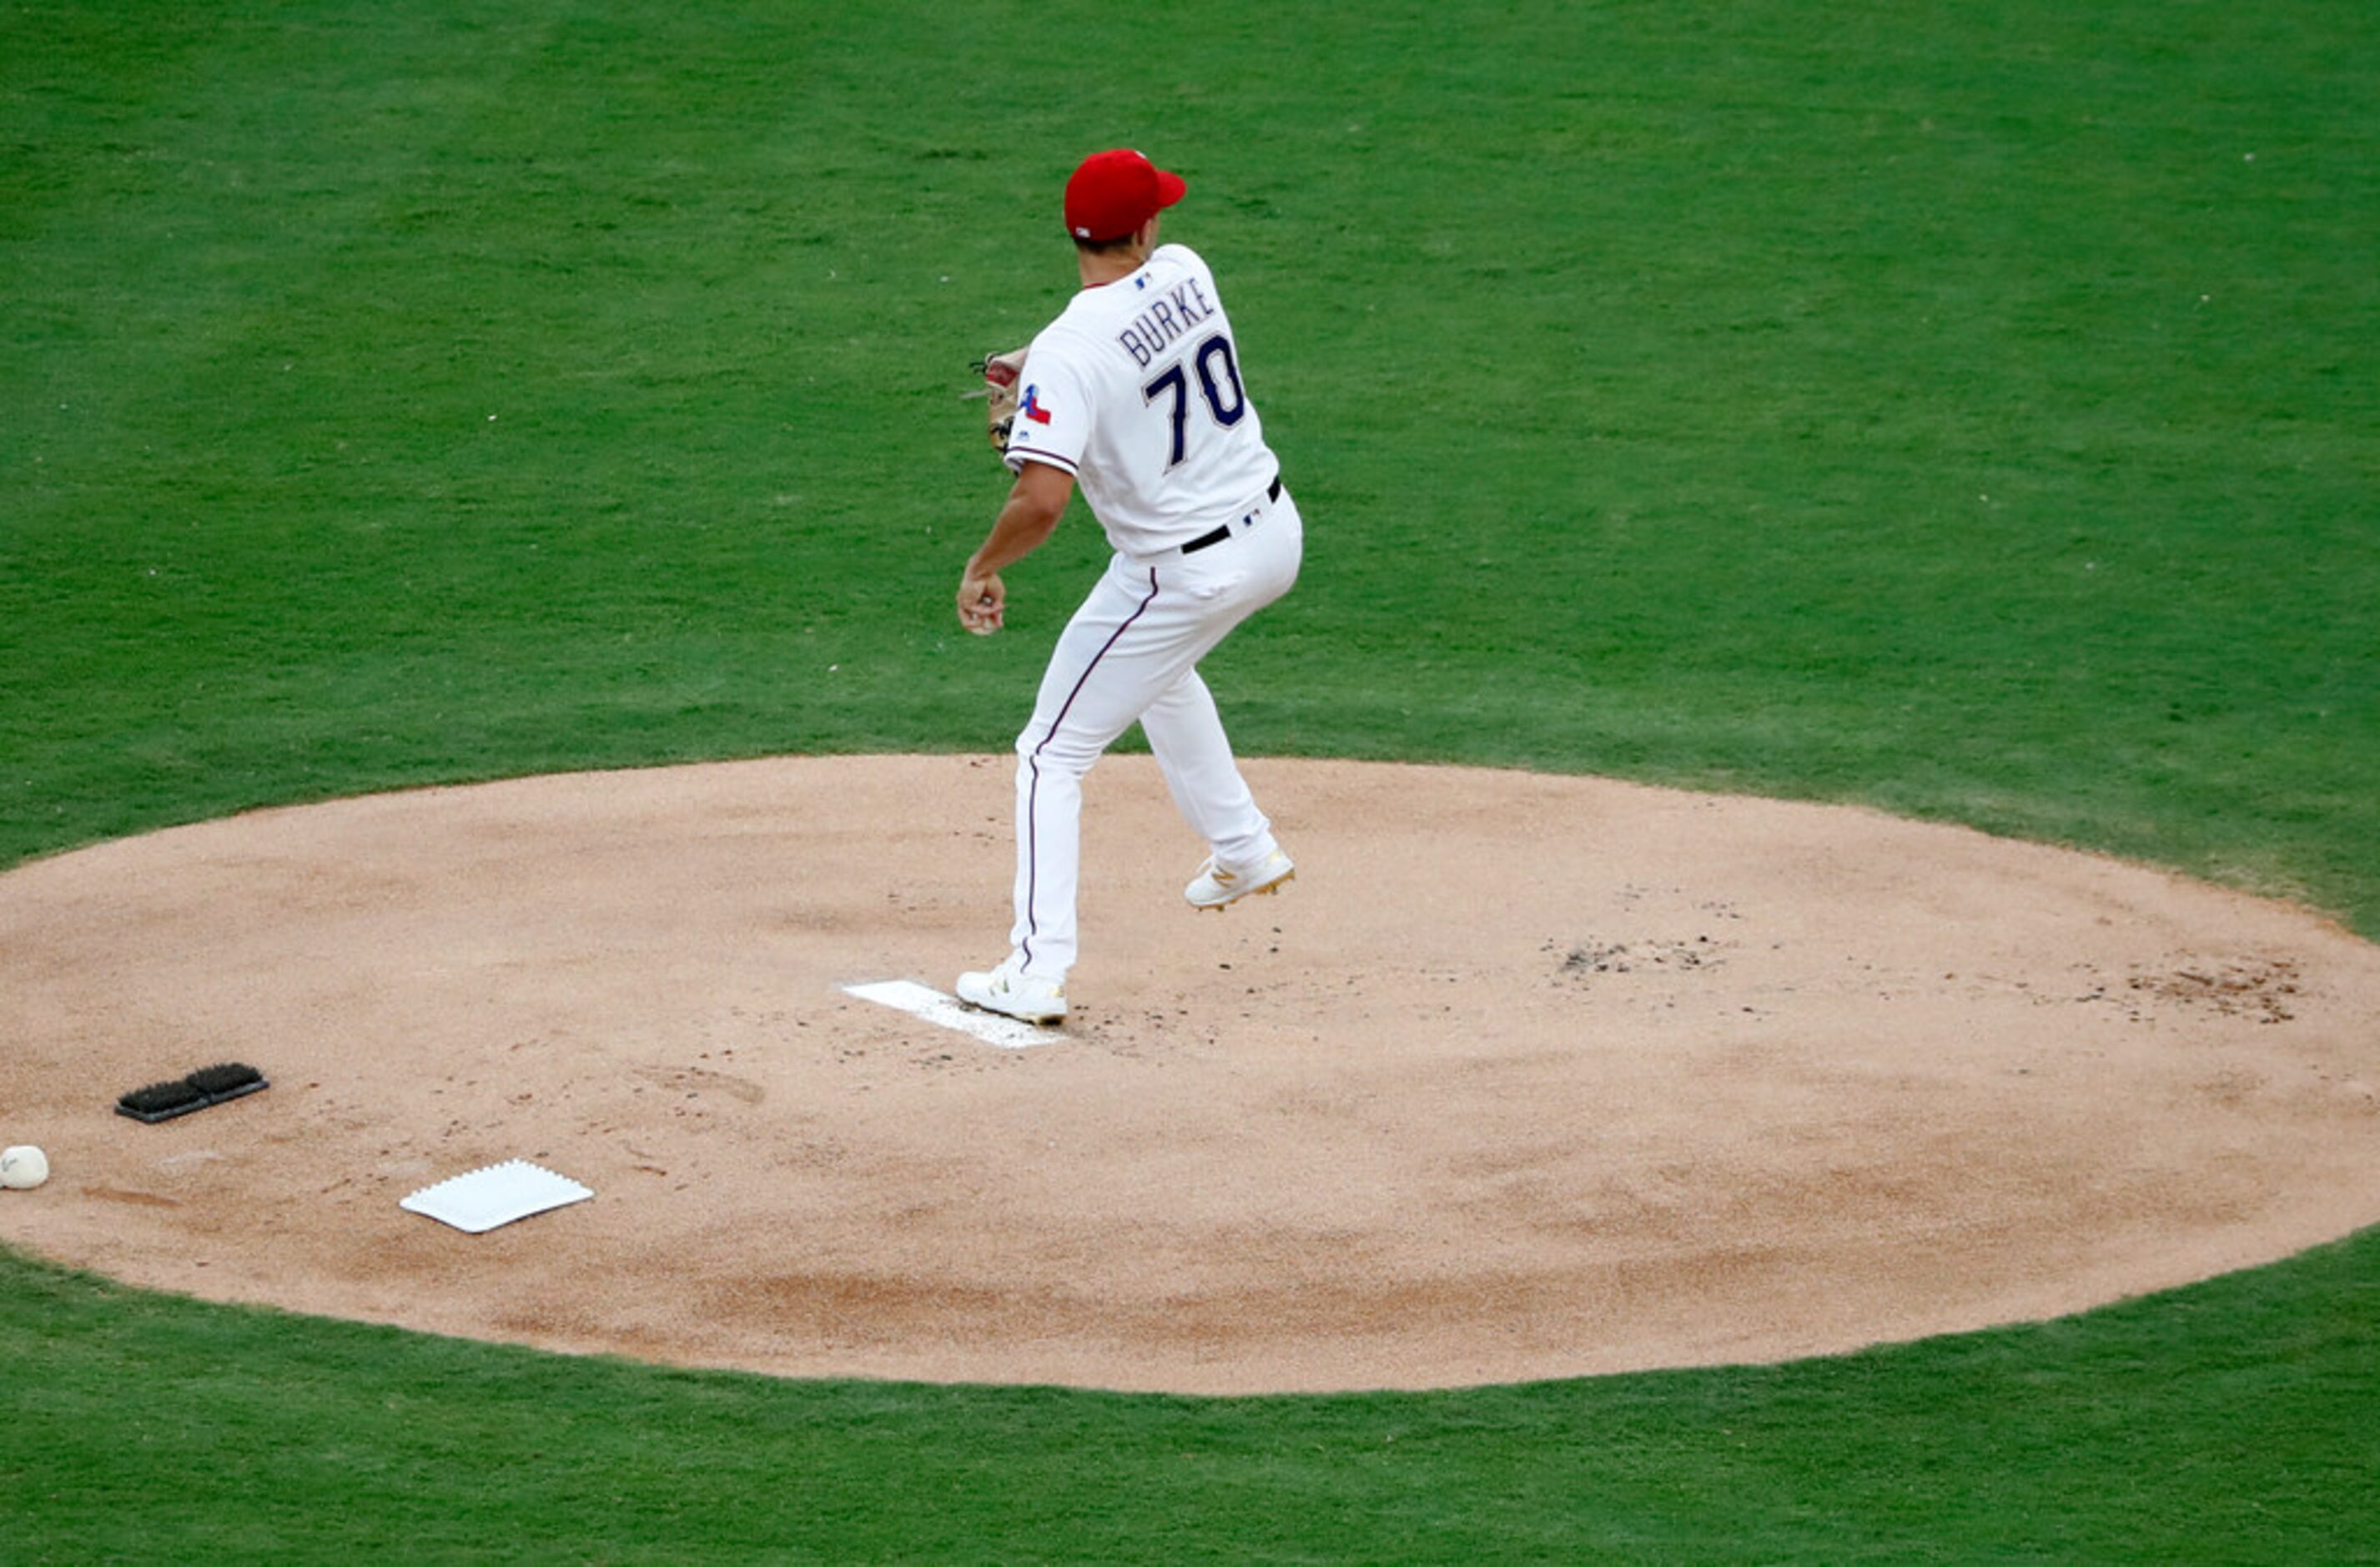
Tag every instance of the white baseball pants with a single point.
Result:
(1131, 653)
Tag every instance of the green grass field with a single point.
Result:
(1971, 411)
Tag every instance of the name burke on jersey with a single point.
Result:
(1155, 329)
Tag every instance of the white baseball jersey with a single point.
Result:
(1136, 390)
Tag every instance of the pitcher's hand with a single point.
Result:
(983, 603)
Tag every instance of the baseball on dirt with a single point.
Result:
(23, 1167)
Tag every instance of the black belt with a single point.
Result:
(1216, 535)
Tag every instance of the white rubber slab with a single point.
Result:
(498, 1195)
(949, 1012)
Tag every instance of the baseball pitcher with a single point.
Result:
(1135, 393)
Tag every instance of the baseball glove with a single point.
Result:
(1001, 373)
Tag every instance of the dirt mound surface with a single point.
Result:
(1524, 1076)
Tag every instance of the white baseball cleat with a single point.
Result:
(1216, 888)
(1012, 994)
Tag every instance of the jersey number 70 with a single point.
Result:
(1225, 399)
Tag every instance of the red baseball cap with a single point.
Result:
(1113, 193)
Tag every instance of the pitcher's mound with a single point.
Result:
(1524, 1076)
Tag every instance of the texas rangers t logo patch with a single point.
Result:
(1032, 407)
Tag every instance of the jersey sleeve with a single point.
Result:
(1053, 410)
